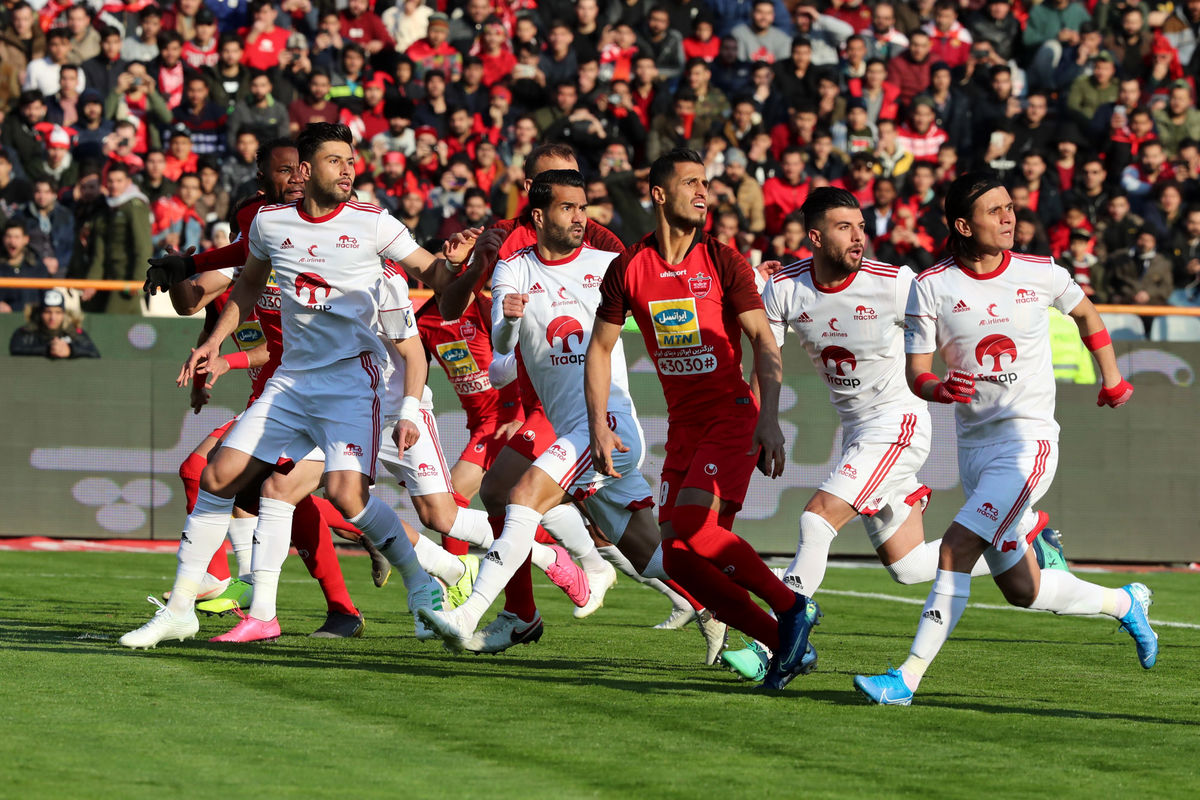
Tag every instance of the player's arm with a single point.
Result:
(1115, 390)
(768, 373)
(246, 291)
(416, 373)
(240, 359)
(508, 308)
(455, 296)
(920, 342)
(777, 317)
(597, 385)
(191, 295)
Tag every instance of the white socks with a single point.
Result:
(1063, 593)
(438, 562)
(566, 525)
(471, 526)
(272, 538)
(615, 557)
(501, 562)
(921, 564)
(943, 608)
(541, 555)
(241, 536)
(812, 554)
(383, 528)
(203, 534)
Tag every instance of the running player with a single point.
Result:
(693, 297)
(325, 392)
(985, 310)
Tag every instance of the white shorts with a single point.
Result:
(877, 471)
(609, 501)
(333, 410)
(1002, 481)
(421, 468)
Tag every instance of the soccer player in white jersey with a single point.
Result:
(325, 252)
(985, 310)
(544, 301)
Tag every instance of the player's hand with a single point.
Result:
(1116, 396)
(514, 305)
(487, 247)
(506, 431)
(200, 356)
(768, 438)
(200, 397)
(405, 435)
(457, 248)
(213, 369)
(959, 387)
(770, 267)
(168, 270)
(604, 442)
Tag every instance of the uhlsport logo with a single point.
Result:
(865, 312)
(990, 511)
(995, 348)
(710, 469)
(842, 362)
(675, 322)
(560, 333)
(699, 284)
(312, 283)
(346, 242)
(457, 358)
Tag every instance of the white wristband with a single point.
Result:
(410, 408)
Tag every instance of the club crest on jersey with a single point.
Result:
(990, 353)
(675, 322)
(248, 335)
(699, 284)
(347, 242)
(864, 312)
(842, 362)
(467, 330)
(592, 281)
(457, 358)
(1026, 296)
(312, 283)
(560, 333)
(427, 470)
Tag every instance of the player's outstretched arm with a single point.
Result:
(768, 370)
(245, 294)
(1115, 390)
(597, 384)
(416, 372)
(248, 359)
(194, 293)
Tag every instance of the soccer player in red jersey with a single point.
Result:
(693, 298)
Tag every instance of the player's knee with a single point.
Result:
(688, 521)
(904, 574)
(436, 516)
(1021, 596)
(673, 550)
(493, 494)
(212, 481)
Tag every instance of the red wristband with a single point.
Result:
(922, 379)
(238, 360)
(1094, 341)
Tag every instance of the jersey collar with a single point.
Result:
(558, 262)
(996, 273)
(324, 218)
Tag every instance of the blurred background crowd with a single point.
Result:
(131, 127)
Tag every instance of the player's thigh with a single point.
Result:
(721, 465)
(230, 470)
(343, 415)
(1007, 479)
(499, 480)
(465, 477)
(273, 423)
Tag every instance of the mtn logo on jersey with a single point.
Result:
(995, 348)
(592, 281)
(312, 283)
(675, 322)
(804, 317)
(248, 335)
(346, 241)
(1026, 296)
(562, 330)
(865, 312)
(457, 358)
(287, 244)
(537, 289)
(990, 511)
(849, 471)
(558, 451)
(699, 284)
(427, 470)
(843, 362)
(352, 450)
(961, 306)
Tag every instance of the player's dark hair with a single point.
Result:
(541, 191)
(960, 203)
(263, 156)
(664, 166)
(316, 134)
(823, 200)
(552, 150)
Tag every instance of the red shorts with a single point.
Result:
(710, 455)
(535, 435)
(483, 446)
(224, 429)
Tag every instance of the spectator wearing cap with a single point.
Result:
(909, 71)
(258, 112)
(407, 22)
(1163, 68)
(314, 105)
(42, 73)
(19, 260)
(759, 38)
(495, 54)
(58, 163)
(230, 78)
(361, 25)
(1089, 92)
(434, 53)
(180, 156)
(949, 39)
(1179, 119)
(859, 180)
(264, 39)
(996, 25)
(120, 243)
(200, 51)
(19, 130)
(205, 120)
(51, 332)
(91, 127)
(920, 135)
(1051, 27)
(62, 108)
(84, 39)
(466, 28)
(142, 44)
(101, 71)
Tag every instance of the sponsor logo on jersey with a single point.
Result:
(248, 335)
(699, 284)
(995, 348)
(562, 293)
(833, 331)
(865, 312)
(994, 317)
(990, 511)
(537, 289)
(1026, 296)
(991, 310)
(558, 451)
(457, 359)
(467, 330)
(842, 362)
(560, 333)
(804, 317)
(849, 471)
(675, 322)
(312, 251)
(961, 306)
(272, 283)
(312, 283)
(352, 450)
(427, 470)
(592, 281)
(675, 274)
(345, 241)
(710, 469)
(287, 244)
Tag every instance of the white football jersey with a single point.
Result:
(997, 328)
(554, 333)
(397, 321)
(328, 270)
(854, 335)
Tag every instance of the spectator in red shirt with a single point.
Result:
(361, 25)
(879, 96)
(434, 52)
(495, 54)
(920, 135)
(859, 180)
(180, 158)
(264, 39)
(702, 43)
(949, 40)
(796, 132)
(315, 106)
(910, 70)
(787, 191)
(201, 50)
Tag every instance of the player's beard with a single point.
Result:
(689, 217)
(327, 195)
(563, 238)
(844, 262)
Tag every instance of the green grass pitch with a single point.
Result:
(1018, 705)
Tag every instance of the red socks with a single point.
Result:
(675, 587)
(726, 600)
(311, 536)
(457, 547)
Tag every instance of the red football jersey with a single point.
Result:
(463, 348)
(688, 316)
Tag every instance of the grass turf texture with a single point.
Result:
(1018, 704)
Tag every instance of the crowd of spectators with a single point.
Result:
(128, 128)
